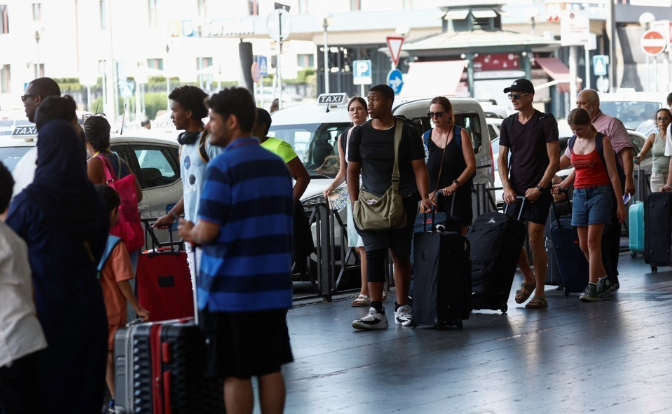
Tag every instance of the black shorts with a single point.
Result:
(399, 240)
(536, 212)
(243, 345)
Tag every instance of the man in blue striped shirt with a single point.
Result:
(244, 284)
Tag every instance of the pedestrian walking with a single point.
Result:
(531, 138)
(244, 283)
(372, 154)
(594, 180)
(656, 144)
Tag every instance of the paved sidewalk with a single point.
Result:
(611, 356)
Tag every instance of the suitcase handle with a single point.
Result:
(522, 206)
(433, 210)
(170, 247)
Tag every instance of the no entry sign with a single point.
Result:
(653, 43)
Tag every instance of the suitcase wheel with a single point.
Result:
(654, 269)
(633, 255)
(504, 307)
(566, 291)
(459, 323)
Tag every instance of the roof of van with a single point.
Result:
(321, 112)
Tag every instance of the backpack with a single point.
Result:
(128, 226)
(112, 242)
(599, 146)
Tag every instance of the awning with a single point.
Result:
(556, 70)
(432, 78)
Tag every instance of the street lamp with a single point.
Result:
(165, 72)
(38, 36)
(326, 21)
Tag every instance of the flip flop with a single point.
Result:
(524, 292)
(537, 302)
(361, 301)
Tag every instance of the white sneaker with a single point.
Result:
(403, 316)
(374, 320)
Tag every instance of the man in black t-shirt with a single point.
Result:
(532, 139)
(371, 152)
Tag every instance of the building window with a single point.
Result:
(4, 19)
(305, 61)
(152, 9)
(254, 7)
(6, 79)
(37, 12)
(103, 14)
(202, 8)
(156, 63)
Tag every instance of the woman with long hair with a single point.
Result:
(357, 111)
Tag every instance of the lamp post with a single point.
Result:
(326, 21)
(165, 72)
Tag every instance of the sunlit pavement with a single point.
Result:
(611, 356)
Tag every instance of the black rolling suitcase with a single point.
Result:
(159, 369)
(442, 289)
(558, 210)
(572, 263)
(658, 230)
(496, 242)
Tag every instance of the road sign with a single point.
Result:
(256, 72)
(653, 43)
(600, 63)
(395, 43)
(575, 28)
(396, 80)
(263, 65)
(362, 72)
(278, 25)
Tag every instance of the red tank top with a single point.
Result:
(590, 170)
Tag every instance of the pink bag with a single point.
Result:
(128, 226)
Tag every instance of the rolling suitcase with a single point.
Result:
(636, 228)
(163, 279)
(496, 242)
(658, 230)
(447, 220)
(159, 369)
(442, 288)
(572, 263)
(552, 271)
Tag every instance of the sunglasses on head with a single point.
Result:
(87, 116)
(436, 114)
(517, 96)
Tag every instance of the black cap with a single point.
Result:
(520, 85)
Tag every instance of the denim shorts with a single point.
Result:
(592, 205)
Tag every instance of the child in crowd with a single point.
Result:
(114, 272)
(21, 336)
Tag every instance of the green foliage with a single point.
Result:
(154, 102)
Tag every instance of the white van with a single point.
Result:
(313, 130)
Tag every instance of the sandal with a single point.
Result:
(524, 292)
(537, 302)
(361, 301)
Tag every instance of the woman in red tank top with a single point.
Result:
(596, 188)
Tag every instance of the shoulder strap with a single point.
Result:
(509, 125)
(571, 142)
(457, 136)
(426, 137)
(112, 242)
(399, 126)
(540, 124)
(202, 149)
(107, 168)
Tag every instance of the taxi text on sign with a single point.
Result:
(653, 43)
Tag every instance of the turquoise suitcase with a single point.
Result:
(636, 228)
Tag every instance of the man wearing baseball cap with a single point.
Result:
(532, 139)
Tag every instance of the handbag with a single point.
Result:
(373, 213)
(128, 226)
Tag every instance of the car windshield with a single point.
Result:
(631, 113)
(316, 145)
(10, 156)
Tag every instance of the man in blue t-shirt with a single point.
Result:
(244, 283)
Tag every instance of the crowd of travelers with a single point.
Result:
(67, 264)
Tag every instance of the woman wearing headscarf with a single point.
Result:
(65, 224)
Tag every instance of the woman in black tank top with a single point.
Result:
(450, 171)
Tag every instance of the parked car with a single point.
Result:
(494, 125)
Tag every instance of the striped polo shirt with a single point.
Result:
(248, 193)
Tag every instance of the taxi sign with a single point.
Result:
(334, 98)
(25, 131)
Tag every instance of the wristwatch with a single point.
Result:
(540, 188)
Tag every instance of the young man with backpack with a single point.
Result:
(188, 110)
(532, 139)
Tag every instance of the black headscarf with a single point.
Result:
(61, 180)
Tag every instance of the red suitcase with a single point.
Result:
(163, 280)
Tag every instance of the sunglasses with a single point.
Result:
(663, 119)
(517, 96)
(87, 116)
(436, 114)
(24, 97)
